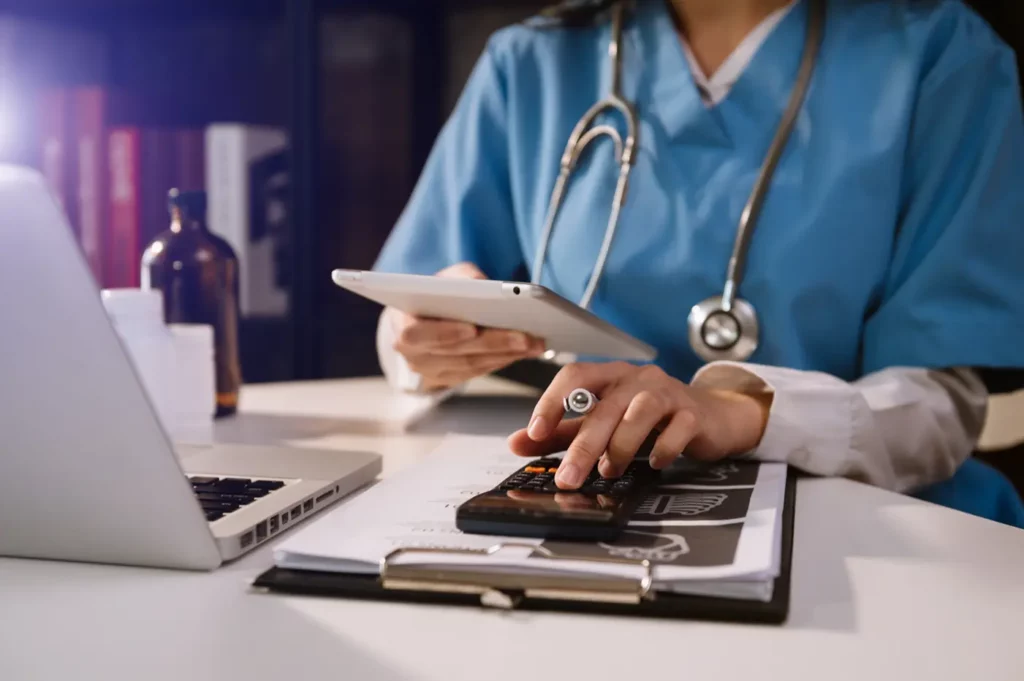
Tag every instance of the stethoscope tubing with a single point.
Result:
(742, 313)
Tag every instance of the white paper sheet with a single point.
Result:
(416, 509)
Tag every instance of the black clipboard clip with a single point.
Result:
(505, 590)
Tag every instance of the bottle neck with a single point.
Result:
(184, 223)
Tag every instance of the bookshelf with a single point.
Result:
(361, 88)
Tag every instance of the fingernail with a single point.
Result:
(519, 342)
(467, 332)
(537, 429)
(569, 474)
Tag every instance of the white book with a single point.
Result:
(715, 533)
(246, 185)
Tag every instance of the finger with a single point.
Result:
(538, 346)
(417, 333)
(484, 369)
(594, 377)
(487, 342)
(456, 369)
(646, 410)
(466, 270)
(593, 438)
(522, 444)
(674, 438)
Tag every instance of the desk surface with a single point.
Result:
(884, 587)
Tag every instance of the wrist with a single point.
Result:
(744, 419)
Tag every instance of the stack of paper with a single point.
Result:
(714, 530)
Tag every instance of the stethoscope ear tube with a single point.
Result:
(722, 327)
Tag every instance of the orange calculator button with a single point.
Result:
(552, 470)
(534, 469)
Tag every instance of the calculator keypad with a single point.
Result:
(539, 476)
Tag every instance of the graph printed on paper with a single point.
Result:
(682, 506)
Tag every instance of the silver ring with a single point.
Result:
(580, 401)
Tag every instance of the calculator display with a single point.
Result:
(566, 504)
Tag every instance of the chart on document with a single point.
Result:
(707, 528)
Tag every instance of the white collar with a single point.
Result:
(713, 90)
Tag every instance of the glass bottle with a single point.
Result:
(197, 271)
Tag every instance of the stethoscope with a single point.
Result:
(723, 327)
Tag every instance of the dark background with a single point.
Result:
(361, 87)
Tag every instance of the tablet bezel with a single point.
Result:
(390, 288)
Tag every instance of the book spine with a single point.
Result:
(190, 160)
(228, 196)
(89, 115)
(246, 176)
(123, 247)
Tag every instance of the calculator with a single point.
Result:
(529, 504)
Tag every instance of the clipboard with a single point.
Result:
(589, 595)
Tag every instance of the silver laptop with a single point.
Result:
(87, 473)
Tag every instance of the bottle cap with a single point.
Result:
(191, 203)
(134, 305)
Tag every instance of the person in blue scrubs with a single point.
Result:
(885, 266)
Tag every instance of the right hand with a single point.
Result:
(446, 353)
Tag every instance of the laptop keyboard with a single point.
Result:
(220, 496)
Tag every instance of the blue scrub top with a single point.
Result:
(892, 234)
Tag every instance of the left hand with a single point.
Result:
(634, 400)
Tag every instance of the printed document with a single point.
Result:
(711, 529)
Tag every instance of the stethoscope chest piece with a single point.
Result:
(717, 333)
(720, 328)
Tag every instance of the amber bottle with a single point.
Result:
(197, 272)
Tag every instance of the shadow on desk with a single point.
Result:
(477, 415)
(262, 429)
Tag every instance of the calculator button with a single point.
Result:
(535, 469)
(552, 470)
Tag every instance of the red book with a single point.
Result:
(89, 114)
(123, 238)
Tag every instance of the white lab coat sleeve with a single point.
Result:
(899, 428)
(394, 367)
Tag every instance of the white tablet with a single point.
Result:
(532, 309)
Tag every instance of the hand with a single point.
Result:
(635, 400)
(447, 353)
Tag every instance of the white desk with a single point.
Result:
(884, 587)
